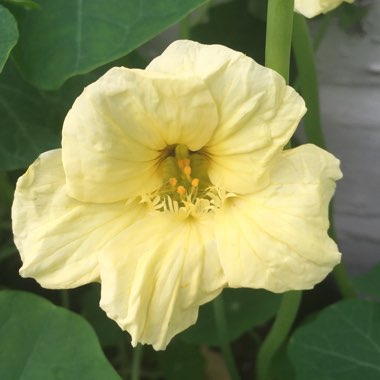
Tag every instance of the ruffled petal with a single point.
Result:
(277, 238)
(312, 8)
(156, 274)
(58, 237)
(114, 135)
(258, 113)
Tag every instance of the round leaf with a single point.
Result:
(341, 343)
(41, 341)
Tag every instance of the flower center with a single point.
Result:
(186, 188)
(184, 172)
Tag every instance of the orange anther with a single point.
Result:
(181, 164)
(195, 182)
(172, 181)
(181, 190)
(187, 170)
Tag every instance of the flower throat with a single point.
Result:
(186, 188)
(184, 173)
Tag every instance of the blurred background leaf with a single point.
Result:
(233, 24)
(245, 309)
(43, 341)
(8, 34)
(107, 330)
(181, 361)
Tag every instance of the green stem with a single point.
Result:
(136, 362)
(285, 317)
(340, 274)
(279, 36)
(277, 56)
(308, 81)
(65, 298)
(221, 325)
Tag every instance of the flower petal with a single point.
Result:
(258, 113)
(114, 135)
(312, 8)
(277, 238)
(58, 237)
(157, 273)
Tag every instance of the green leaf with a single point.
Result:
(351, 16)
(66, 38)
(8, 35)
(181, 361)
(27, 4)
(369, 283)
(231, 24)
(26, 129)
(41, 341)
(245, 309)
(341, 343)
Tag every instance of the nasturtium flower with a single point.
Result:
(312, 8)
(172, 184)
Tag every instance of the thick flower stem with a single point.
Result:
(136, 362)
(221, 325)
(285, 317)
(308, 81)
(65, 298)
(341, 276)
(279, 36)
(277, 57)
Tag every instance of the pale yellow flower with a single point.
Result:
(312, 8)
(172, 184)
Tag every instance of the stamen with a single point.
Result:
(195, 182)
(187, 170)
(181, 164)
(181, 190)
(172, 181)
